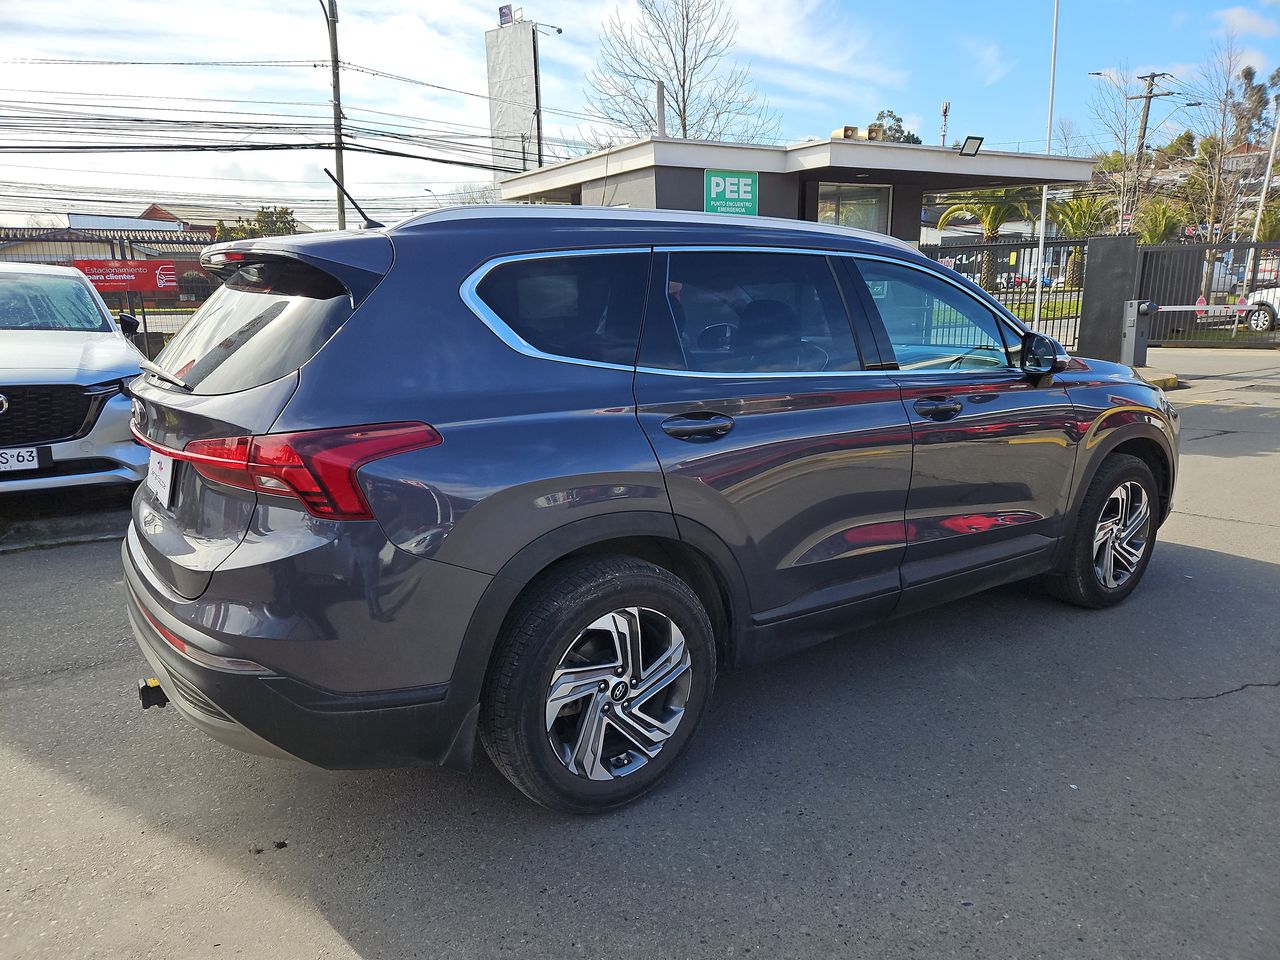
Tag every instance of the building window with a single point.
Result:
(854, 205)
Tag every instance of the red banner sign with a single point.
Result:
(145, 275)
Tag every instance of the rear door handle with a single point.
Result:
(938, 408)
(698, 426)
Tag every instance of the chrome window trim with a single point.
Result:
(499, 328)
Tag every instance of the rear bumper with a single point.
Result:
(275, 715)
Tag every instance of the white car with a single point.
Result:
(64, 369)
(1263, 307)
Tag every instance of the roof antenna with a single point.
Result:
(368, 224)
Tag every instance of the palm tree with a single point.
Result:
(992, 209)
(1157, 221)
(1078, 218)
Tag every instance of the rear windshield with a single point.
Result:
(266, 321)
(33, 301)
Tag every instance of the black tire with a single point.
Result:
(547, 619)
(1261, 318)
(1076, 581)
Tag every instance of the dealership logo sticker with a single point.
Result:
(731, 191)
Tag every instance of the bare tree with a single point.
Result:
(1116, 120)
(1214, 189)
(685, 44)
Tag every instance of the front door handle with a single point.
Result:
(698, 426)
(938, 408)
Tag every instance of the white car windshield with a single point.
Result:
(33, 301)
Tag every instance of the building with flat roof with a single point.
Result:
(873, 185)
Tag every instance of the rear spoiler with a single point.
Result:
(357, 261)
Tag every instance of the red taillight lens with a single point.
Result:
(317, 467)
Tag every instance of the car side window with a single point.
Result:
(584, 307)
(747, 312)
(932, 324)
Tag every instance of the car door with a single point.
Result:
(994, 448)
(772, 432)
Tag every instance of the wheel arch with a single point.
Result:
(690, 551)
(1141, 440)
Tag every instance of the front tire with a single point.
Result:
(601, 675)
(1110, 545)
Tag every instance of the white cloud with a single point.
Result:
(989, 64)
(1245, 21)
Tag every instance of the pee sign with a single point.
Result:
(731, 191)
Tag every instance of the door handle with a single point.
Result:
(938, 408)
(698, 426)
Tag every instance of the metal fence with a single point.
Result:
(160, 313)
(1220, 275)
(1008, 270)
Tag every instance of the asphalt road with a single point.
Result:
(1002, 777)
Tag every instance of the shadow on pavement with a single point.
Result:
(986, 777)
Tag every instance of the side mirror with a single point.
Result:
(1043, 355)
(128, 324)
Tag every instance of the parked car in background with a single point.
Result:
(1262, 308)
(64, 369)
(415, 487)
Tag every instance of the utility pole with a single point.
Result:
(331, 18)
(1146, 97)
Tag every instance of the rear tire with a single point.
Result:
(1110, 545)
(1261, 317)
(600, 677)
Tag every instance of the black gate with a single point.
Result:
(1238, 282)
(1007, 270)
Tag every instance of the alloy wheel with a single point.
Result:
(618, 693)
(1259, 320)
(1122, 535)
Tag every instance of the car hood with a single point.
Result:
(62, 356)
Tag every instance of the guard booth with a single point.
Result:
(873, 185)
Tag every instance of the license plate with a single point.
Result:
(19, 458)
(160, 477)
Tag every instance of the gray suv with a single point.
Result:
(532, 475)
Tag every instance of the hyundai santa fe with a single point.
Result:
(530, 476)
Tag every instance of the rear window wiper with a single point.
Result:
(164, 374)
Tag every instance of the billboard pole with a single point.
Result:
(1044, 193)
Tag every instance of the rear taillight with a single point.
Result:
(316, 467)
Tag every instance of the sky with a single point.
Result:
(820, 64)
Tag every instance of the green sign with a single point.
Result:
(731, 191)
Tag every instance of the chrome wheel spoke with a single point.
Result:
(669, 668)
(646, 733)
(586, 758)
(571, 684)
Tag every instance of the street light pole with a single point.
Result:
(331, 18)
(1044, 193)
(1262, 197)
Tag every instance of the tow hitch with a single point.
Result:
(151, 693)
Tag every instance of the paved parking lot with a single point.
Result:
(1002, 777)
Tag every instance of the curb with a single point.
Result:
(1158, 378)
(64, 531)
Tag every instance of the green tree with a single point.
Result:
(992, 209)
(894, 132)
(267, 222)
(1157, 220)
(1269, 229)
(1080, 217)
